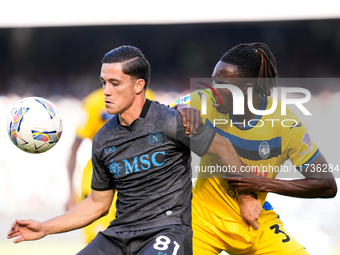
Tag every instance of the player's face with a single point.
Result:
(224, 73)
(118, 88)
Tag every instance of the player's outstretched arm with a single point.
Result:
(228, 157)
(89, 210)
(316, 184)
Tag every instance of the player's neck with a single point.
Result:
(133, 112)
(248, 115)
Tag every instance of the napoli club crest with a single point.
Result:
(155, 138)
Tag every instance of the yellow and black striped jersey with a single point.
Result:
(263, 144)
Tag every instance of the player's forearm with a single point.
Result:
(225, 151)
(303, 188)
(80, 216)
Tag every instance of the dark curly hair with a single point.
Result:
(254, 60)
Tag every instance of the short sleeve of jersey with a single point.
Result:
(298, 145)
(101, 180)
(193, 99)
(200, 142)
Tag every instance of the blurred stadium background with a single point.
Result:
(55, 50)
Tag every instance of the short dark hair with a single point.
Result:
(254, 60)
(133, 60)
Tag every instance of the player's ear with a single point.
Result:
(139, 85)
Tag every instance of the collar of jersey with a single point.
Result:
(254, 121)
(142, 115)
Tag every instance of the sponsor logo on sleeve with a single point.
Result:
(306, 140)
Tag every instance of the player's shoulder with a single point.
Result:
(193, 99)
(279, 111)
(286, 116)
(164, 110)
(107, 129)
(166, 118)
(182, 100)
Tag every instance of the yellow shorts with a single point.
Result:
(212, 235)
(91, 230)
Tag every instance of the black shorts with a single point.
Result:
(164, 240)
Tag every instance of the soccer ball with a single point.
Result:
(34, 125)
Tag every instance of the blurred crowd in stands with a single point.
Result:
(50, 61)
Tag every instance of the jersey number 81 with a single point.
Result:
(162, 244)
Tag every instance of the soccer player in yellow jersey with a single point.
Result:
(94, 116)
(259, 141)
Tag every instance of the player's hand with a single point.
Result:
(26, 230)
(250, 209)
(192, 119)
(231, 174)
